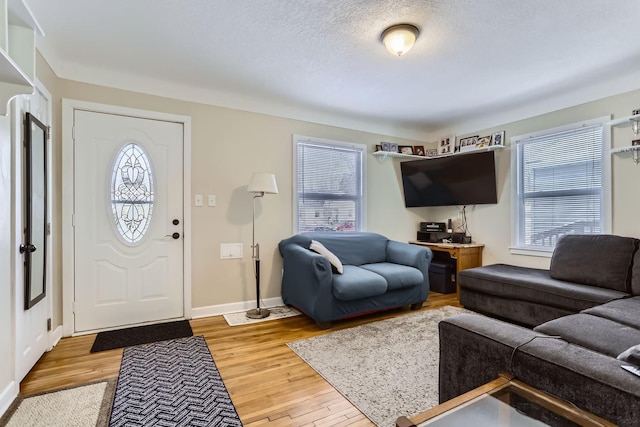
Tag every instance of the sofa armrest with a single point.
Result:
(411, 255)
(474, 349)
(307, 282)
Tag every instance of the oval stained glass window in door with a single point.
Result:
(132, 192)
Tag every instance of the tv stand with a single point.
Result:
(464, 255)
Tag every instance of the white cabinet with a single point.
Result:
(18, 30)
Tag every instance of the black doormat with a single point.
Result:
(141, 335)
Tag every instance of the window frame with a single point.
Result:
(361, 213)
(518, 248)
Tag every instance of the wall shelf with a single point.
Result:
(389, 154)
(18, 30)
(634, 122)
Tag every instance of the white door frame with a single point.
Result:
(68, 245)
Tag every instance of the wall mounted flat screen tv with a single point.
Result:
(468, 179)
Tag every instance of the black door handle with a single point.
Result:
(27, 248)
(174, 235)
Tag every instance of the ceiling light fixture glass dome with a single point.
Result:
(399, 39)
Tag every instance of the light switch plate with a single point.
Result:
(231, 250)
(198, 200)
(211, 201)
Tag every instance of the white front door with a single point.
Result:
(32, 223)
(128, 220)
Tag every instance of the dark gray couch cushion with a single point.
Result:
(592, 332)
(597, 260)
(534, 285)
(635, 274)
(625, 311)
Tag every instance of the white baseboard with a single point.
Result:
(219, 310)
(7, 396)
(54, 337)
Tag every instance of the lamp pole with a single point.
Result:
(256, 313)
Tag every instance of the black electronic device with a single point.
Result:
(467, 179)
(432, 226)
(433, 237)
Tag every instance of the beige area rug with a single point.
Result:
(83, 406)
(280, 312)
(386, 368)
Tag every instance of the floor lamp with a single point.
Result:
(261, 184)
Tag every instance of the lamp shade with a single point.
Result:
(262, 182)
(399, 39)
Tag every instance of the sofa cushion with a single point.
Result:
(625, 311)
(592, 332)
(597, 260)
(635, 274)
(356, 283)
(534, 285)
(334, 260)
(397, 276)
(631, 355)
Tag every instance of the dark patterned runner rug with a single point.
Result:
(171, 383)
(137, 335)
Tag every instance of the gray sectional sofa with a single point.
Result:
(584, 310)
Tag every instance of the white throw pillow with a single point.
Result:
(335, 262)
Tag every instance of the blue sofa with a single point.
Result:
(378, 274)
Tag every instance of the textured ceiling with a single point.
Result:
(475, 62)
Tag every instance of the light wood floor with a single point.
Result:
(268, 383)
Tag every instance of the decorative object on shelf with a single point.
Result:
(379, 147)
(634, 122)
(498, 138)
(468, 144)
(483, 142)
(418, 150)
(394, 148)
(635, 112)
(261, 184)
(431, 152)
(386, 146)
(399, 39)
(405, 149)
(635, 143)
(445, 146)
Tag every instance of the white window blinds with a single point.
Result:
(329, 185)
(559, 186)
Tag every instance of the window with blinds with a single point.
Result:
(329, 185)
(559, 185)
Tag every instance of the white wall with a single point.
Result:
(8, 389)
(491, 224)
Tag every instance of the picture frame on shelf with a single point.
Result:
(431, 152)
(483, 142)
(445, 146)
(379, 147)
(497, 139)
(468, 143)
(405, 149)
(386, 146)
(394, 148)
(418, 150)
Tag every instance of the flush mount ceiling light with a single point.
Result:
(399, 39)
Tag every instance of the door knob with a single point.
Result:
(174, 235)
(27, 248)
(176, 221)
